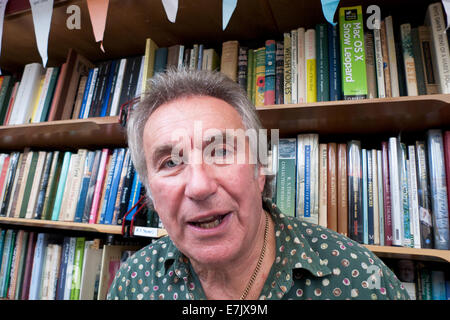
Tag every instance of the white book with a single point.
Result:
(77, 178)
(323, 190)
(315, 178)
(180, 57)
(90, 93)
(439, 45)
(118, 88)
(376, 212)
(139, 83)
(23, 106)
(69, 270)
(44, 91)
(36, 184)
(294, 64)
(413, 197)
(310, 65)
(91, 269)
(380, 196)
(46, 273)
(54, 271)
(394, 181)
(393, 72)
(379, 63)
(300, 210)
(301, 67)
(68, 186)
(194, 58)
(408, 60)
(14, 185)
(38, 264)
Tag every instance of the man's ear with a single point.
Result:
(261, 178)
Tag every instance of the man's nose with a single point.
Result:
(201, 182)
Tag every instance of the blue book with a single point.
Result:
(107, 95)
(334, 61)
(438, 285)
(108, 186)
(160, 60)
(61, 185)
(2, 241)
(269, 76)
(364, 196)
(134, 198)
(370, 195)
(89, 162)
(200, 57)
(438, 189)
(63, 269)
(322, 67)
(38, 262)
(86, 94)
(6, 260)
(115, 186)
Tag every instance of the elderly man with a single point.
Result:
(226, 239)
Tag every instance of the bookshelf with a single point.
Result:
(200, 21)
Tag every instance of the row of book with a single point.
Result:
(42, 266)
(429, 281)
(395, 194)
(90, 186)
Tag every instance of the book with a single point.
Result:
(287, 68)
(413, 197)
(38, 263)
(229, 59)
(311, 68)
(395, 188)
(334, 62)
(90, 270)
(109, 214)
(61, 186)
(430, 79)
(323, 184)
(260, 67)
(86, 178)
(404, 196)
(408, 59)
(342, 189)
(380, 197)
(77, 268)
(28, 184)
(376, 210)
(438, 189)
(294, 65)
(286, 177)
(370, 66)
(387, 209)
(322, 66)
(242, 67)
(301, 64)
(354, 173)
(114, 109)
(354, 81)
(434, 18)
(365, 197)
(99, 185)
(149, 63)
(418, 62)
(332, 217)
(251, 75)
(269, 73)
(393, 69)
(386, 62)
(30, 209)
(279, 72)
(37, 214)
(379, 67)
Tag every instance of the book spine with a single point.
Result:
(86, 178)
(109, 214)
(380, 196)
(279, 73)
(355, 204)
(427, 60)
(260, 76)
(342, 191)
(334, 61)
(353, 66)
(250, 75)
(270, 73)
(332, 218)
(370, 199)
(98, 186)
(294, 66)
(408, 59)
(447, 162)
(323, 186)
(311, 68)
(323, 78)
(286, 177)
(370, 66)
(301, 64)
(77, 268)
(404, 196)
(287, 68)
(413, 197)
(439, 44)
(118, 87)
(242, 67)
(229, 58)
(438, 189)
(38, 261)
(365, 189)
(63, 269)
(61, 186)
(393, 68)
(386, 65)
(376, 212)
(396, 204)
(70, 268)
(379, 63)
(420, 75)
(10, 181)
(43, 186)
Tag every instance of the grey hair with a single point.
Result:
(181, 83)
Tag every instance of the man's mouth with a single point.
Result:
(209, 222)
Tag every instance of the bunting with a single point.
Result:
(42, 17)
(98, 10)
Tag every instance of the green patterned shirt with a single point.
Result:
(311, 262)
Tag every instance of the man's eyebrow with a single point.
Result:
(161, 151)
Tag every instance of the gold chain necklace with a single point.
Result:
(260, 260)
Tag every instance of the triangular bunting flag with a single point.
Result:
(228, 7)
(329, 9)
(171, 7)
(42, 17)
(98, 10)
(2, 16)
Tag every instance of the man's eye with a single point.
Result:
(169, 163)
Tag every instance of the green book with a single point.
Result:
(5, 93)
(29, 184)
(323, 82)
(61, 186)
(286, 175)
(22, 263)
(52, 186)
(420, 74)
(250, 74)
(353, 60)
(77, 268)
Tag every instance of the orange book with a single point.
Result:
(342, 200)
(332, 187)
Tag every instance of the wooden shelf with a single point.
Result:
(369, 116)
(410, 253)
(84, 133)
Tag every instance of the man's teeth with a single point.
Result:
(210, 224)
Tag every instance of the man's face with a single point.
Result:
(211, 209)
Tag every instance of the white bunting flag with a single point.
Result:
(42, 17)
(446, 4)
(228, 7)
(171, 7)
